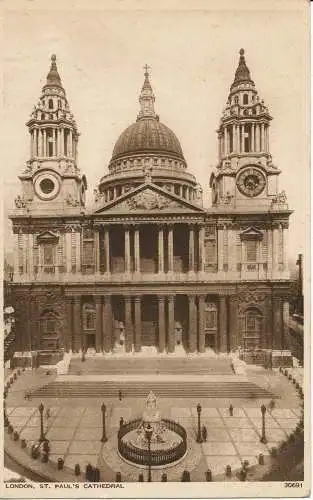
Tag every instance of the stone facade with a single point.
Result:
(147, 265)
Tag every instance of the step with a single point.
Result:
(138, 389)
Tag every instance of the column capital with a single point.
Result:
(127, 299)
(161, 298)
(137, 298)
(171, 297)
(76, 299)
(98, 299)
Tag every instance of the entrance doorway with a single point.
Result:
(253, 320)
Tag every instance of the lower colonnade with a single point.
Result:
(129, 322)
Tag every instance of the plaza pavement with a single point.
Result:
(74, 427)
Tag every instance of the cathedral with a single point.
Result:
(147, 264)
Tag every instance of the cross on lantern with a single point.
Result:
(146, 68)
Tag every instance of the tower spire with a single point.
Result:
(146, 98)
(242, 72)
(53, 77)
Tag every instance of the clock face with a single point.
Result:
(47, 185)
(251, 182)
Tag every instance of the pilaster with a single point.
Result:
(201, 323)
(77, 333)
(161, 307)
(171, 326)
(137, 323)
(128, 324)
(98, 301)
(192, 330)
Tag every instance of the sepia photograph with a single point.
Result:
(155, 229)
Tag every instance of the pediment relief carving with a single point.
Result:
(47, 237)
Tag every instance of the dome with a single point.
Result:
(147, 135)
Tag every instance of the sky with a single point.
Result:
(193, 53)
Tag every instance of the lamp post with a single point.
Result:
(104, 438)
(199, 436)
(148, 432)
(42, 435)
(263, 437)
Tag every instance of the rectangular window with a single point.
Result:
(251, 250)
(48, 255)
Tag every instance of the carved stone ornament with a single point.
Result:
(150, 201)
(20, 202)
(280, 199)
(70, 200)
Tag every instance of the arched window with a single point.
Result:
(50, 103)
(236, 99)
(245, 98)
(42, 116)
(253, 324)
(59, 103)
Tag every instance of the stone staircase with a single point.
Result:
(154, 365)
(164, 389)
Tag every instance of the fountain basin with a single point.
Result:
(167, 451)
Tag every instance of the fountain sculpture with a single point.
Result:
(168, 442)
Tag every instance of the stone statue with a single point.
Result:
(151, 401)
(20, 202)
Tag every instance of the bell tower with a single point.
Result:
(245, 175)
(52, 180)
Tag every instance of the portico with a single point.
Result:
(148, 248)
(128, 322)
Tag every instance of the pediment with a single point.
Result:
(251, 233)
(47, 237)
(149, 198)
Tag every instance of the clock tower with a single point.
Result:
(245, 175)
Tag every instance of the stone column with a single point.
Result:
(68, 338)
(237, 138)
(69, 144)
(162, 333)
(285, 248)
(30, 256)
(15, 257)
(277, 323)
(78, 252)
(54, 143)
(171, 325)
(191, 249)
(242, 139)
(253, 137)
(161, 250)
(77, 333)
(257, 137)
(201, 249)
(275, 249)
(286, 338)
(233, 322)
(170, 249)
(98, 301)
(225, 141)
(192, 330)
(127, 249)
(107, 249)
(107, 324)
(269, 253)
(262, 137)
(137, 249)
(201, 336)
(62, 141)
(40, 141)
(68, 252)
(25, 254)
(232, 256)
(234, 150)
(44, 142)
(97, 251)
(128, 324)
(220, 248)
(222, 323)
(137, 323)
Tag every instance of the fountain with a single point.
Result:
(168, 443)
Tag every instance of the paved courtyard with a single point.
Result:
(75, 434)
